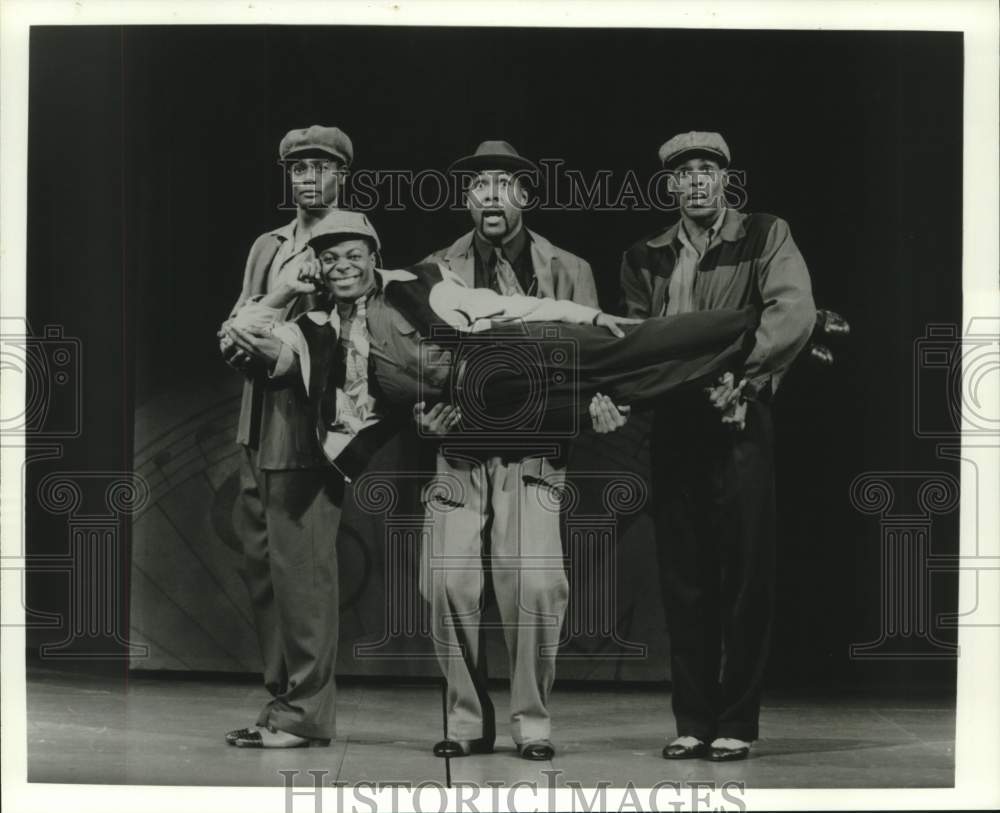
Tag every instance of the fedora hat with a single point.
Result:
(494, 155)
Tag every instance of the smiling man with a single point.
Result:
(287, 509)
(712, 452)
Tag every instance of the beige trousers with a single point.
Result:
(511, 509)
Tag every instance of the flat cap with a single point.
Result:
(330, 140)
(340, 225)
(688, 145)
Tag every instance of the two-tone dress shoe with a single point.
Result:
(727, 749)
(685, 748)
(236, 734)
(267, 737)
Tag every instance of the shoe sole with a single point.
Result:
(728, 758)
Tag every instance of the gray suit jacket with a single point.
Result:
(275, 417)
(561, 275)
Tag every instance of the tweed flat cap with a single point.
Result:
(687, 145)
(330, 140)
(339, 225)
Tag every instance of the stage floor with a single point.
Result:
(83, 728)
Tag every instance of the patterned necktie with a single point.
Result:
(504, 278)
(355, 406)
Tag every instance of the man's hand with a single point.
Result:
(605, 416)
(260, 345)
(310, 277)
(231, 353)
(612, 322)
(439, 421)
(300, 278)
(727, 397)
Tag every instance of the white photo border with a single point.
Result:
(977, 750)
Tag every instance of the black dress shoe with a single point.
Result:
(540, 751)
(717, 754)
(674, 751)
(449, 749)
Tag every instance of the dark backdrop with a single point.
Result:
(152, 167)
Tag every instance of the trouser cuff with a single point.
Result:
(699, 731)
(297, 726)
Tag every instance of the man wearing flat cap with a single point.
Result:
(511, 491)
(712, 452)
(287, 509)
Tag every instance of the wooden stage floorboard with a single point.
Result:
(84, 728)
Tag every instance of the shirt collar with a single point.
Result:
(711, 231)
(731, 230)
(512, 248)
(287, 232)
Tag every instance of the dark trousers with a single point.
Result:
(715, 528)
(287, 521)
(550, 370)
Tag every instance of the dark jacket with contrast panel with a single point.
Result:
(752, 261)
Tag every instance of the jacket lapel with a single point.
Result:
(460, 259)
(542, 257)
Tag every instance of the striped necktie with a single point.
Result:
(356, 406)
(504, 278)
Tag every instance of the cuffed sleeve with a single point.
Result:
(286, 364)
(255, 317)
(295, 345)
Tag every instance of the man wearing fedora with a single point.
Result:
(512, 493)
(712, 452)
(288, 507)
